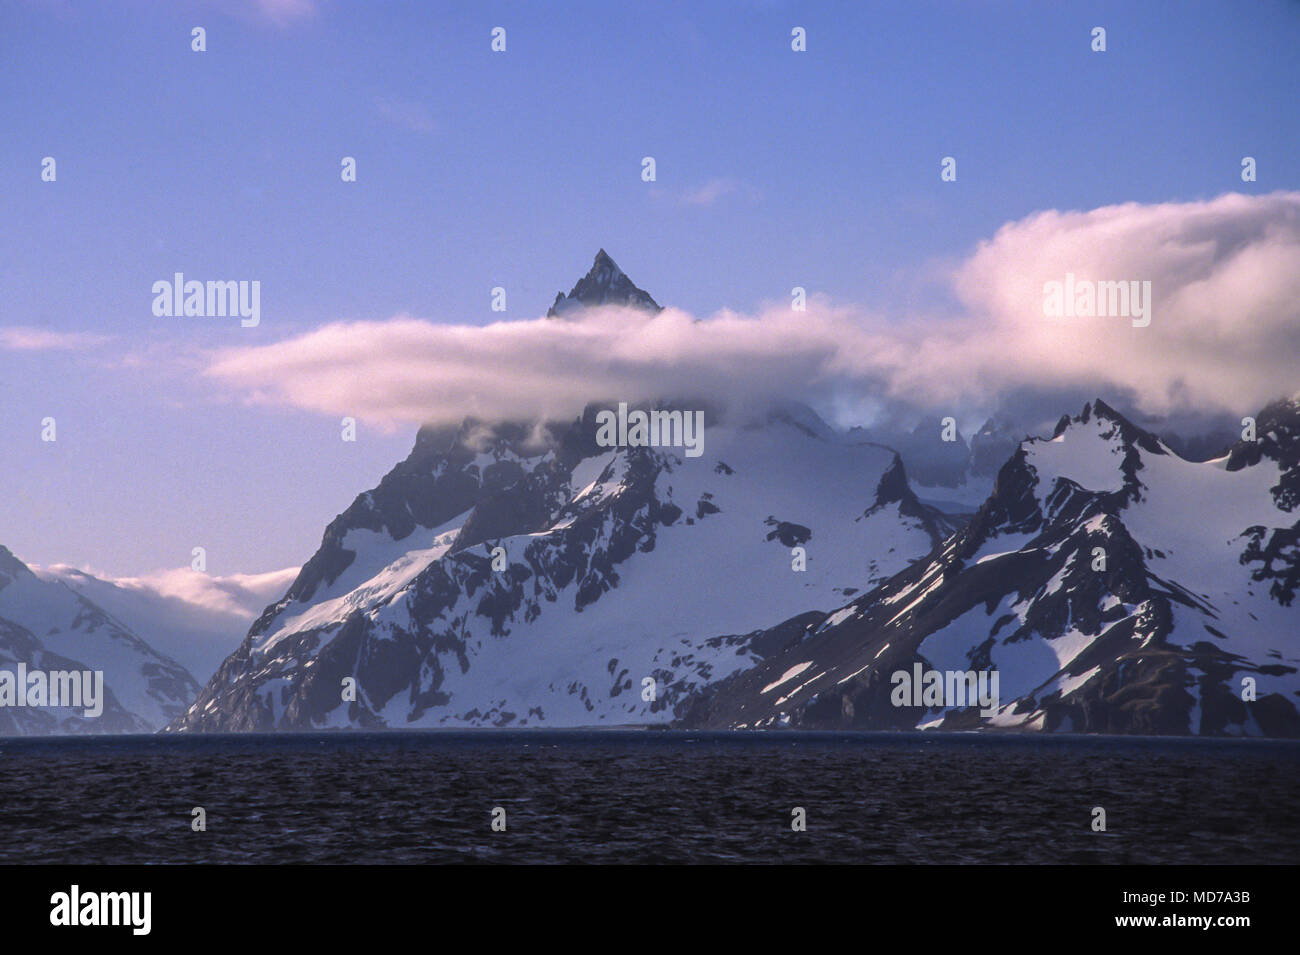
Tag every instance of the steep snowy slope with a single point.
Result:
(48, 626)
(1113, 587)
(618, 565)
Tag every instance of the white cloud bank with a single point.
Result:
(1224, 335)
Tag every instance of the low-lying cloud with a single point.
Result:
(1224, 335)
(241, 596)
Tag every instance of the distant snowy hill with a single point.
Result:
(46, 625)
(194, 618)
(1194, 593)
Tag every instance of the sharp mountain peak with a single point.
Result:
(604, 284)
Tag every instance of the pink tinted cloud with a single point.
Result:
(1224, 334)
(27, 338)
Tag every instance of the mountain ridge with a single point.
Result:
(1067, 582)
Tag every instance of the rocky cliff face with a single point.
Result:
(604, 284)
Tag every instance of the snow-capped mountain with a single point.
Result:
(1113, 586)
(45, 625)
(604, 284)
(511, 574)
(617, 565)
(194, 618)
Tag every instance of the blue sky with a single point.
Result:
(477, 170)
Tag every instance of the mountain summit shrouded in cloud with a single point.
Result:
(380, 218)
(510, 575)
(1223, 334)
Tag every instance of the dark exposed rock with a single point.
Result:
(604, 284)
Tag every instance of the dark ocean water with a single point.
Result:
(641, 796)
